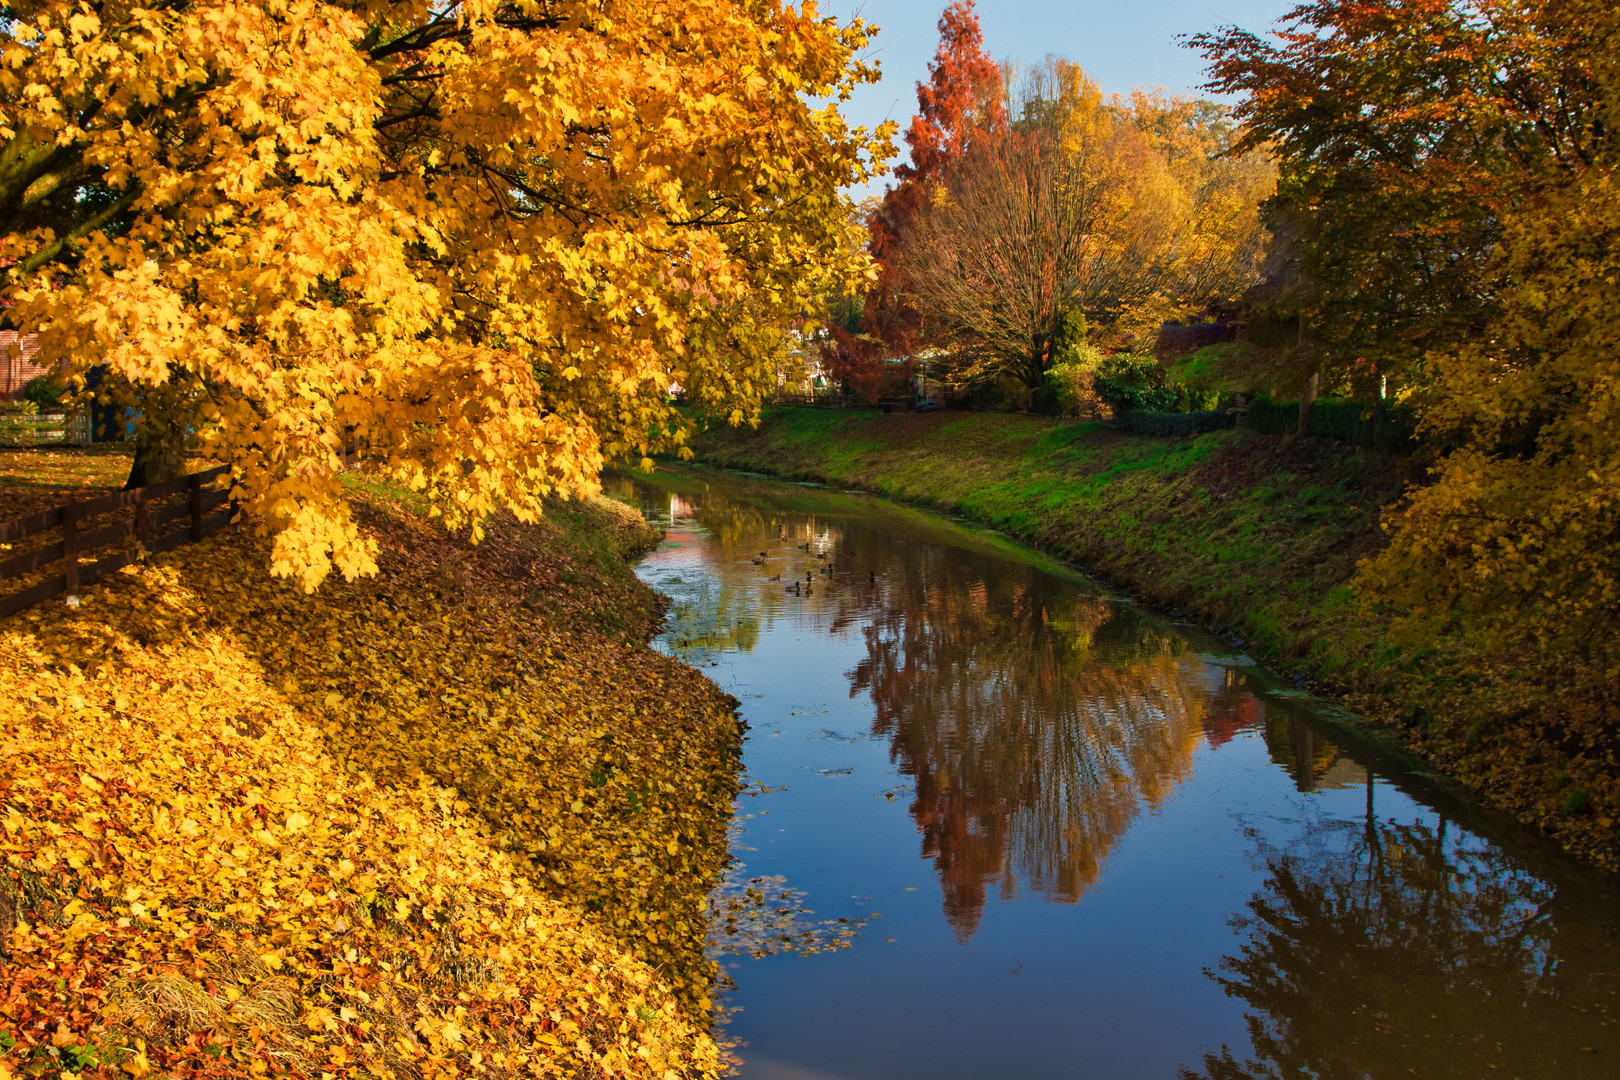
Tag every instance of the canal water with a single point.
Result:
(1001, 823)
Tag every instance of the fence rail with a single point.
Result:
(22, 429)
(145, 525)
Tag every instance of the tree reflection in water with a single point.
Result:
(1377, 950)
(1035, 720)
(1036, 724)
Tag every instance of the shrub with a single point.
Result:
(1132, 382)
(17, 426)
(45, 392)
(1070, 388)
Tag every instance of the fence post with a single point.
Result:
(194, 482)
(143, 525)
(70, 551)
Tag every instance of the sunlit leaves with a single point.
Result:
(1517, 538)
(405, 826)
(481, 243)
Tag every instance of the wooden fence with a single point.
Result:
(18, 429)
(146, 525)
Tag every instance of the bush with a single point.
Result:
(1390, 427)
(1134, 382)
(17, 426)
(999, 394)
(1070, 388)
(1170, 424)
(45, 392)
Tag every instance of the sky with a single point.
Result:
(1120, 43)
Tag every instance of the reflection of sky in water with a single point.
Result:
(1098, 841)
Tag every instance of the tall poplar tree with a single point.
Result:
(961, 104)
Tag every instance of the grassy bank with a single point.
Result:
(443, 821)
(1255, 536)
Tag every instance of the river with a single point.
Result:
(1000, 822)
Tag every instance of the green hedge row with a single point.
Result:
(1171, 424)
(1385, 427)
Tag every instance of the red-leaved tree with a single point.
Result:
(959, 105)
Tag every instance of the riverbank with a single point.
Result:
(443, 820)
(1254, 536)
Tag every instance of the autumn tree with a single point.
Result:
(1222, 242)
(1086, 204)
(1517, 540)
(1405, 132)
(479, 240)
(960, 105)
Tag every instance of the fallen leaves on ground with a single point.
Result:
(427, 824)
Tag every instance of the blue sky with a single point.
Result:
(1121, 44)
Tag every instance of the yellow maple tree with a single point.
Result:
(478, 240)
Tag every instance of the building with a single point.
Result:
(19, 362)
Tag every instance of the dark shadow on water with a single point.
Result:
(1378, 949)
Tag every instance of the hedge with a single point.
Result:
(1146, 422)
(1348, 421)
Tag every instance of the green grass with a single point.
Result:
(1247, 533)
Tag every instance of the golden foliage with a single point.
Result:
(403, 828)
(480, 240)
(1517, 537)
(1118, 209)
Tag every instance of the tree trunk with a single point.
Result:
(1040, 360)
(1307, 397)
(154, 463)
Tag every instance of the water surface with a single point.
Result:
(1078, 840)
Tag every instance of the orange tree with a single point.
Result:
(480, 239)
(1405, 131)
(960, 104)
(1122, 210)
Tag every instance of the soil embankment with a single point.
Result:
(1255, 536)
(453, 818)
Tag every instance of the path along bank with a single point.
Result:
(451, 819)
(1256, 536)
